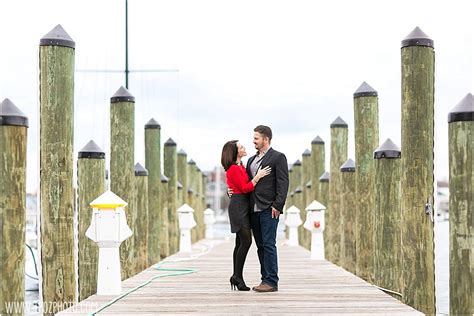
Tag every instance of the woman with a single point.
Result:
(238, 181)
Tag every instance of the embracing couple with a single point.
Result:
(257, 196)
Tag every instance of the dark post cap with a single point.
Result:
(182, 153)
(325, 177)
(191, 162)
(387, 150)
(57, 37)
(297, 163)
(140, 170)
(463, 111)
(11, 115)
(339, 122)
(170, 142)
(307, 152)
(308, 184)
(417, 38)
(164, 179)
(152, 124)
(317, 140)
(92, 151)
(180, 186)
(198, 169)
(348, 166)
(365, 90)
(122, 95)
(190, 191)
(298, 190)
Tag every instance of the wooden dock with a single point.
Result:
(306, 287)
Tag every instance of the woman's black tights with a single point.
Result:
(243, 240)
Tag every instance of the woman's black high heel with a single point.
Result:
(237, 283)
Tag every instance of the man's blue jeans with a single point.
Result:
(264, 229)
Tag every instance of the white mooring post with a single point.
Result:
(108, 229)
(293, 221)
(186, 223)
(209, 221)
(315, 224)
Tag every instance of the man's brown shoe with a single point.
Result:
(265, 288)
(253, 288)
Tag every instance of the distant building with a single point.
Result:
(216, 195)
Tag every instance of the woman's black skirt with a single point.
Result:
(239, 212)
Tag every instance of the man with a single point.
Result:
(266, 205)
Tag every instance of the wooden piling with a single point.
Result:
(192, 194)
(339, 137)
(317, 166)
(199, 211)
(56, 59)
(183, 175)
(164, 227)
(323, 193)
(140, 233)
(348, 216)
(122, 140)
(13, 141)
(90, 185)
(171, 171)
(153, 165)
(387, 215)
(366, 132)
(417, 58)
(298, 197)
(461, 207)
(306, 178)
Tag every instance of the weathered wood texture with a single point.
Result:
(323, 191)
(348, 215)
(318, 158)
(153, 165)
(140, 233)
(417, 177)
(90, 185)
(339, 138)
(199, 211)
(183, 175)
(122, 140)
(56, 174)
(461, 217)
(387, 230)
(164, 232)
(171, 171)
(13, 141)
(366, 132)
(305, 287)
(298, 197)
(305, 178)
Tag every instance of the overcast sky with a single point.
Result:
(293, 65)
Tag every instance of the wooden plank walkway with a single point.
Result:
(306, 287)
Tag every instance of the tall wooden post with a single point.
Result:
(140, 233)
(164, 228)
(417, 56)
(192, 194)
(183, 175)
(317, 166)
(171, 171)
(122, 140)
(348, 216)
(306, 177)
(199, 211)
(56, 58)
(366, 132)
(461, 207)
(153, 165)
(323, 193)
(13, 139)
(339, 137)
(387, 237)
(298, 197)
(90, 185)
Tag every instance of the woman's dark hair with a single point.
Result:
(229, 154)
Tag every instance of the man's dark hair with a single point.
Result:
(264, 130)
(229, 154)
